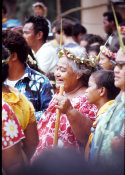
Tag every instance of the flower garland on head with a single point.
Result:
(81, 60)
(122, 28)
(104, 50)
(5, 60)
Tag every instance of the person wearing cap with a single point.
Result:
(40, 9)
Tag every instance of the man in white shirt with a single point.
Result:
(35, 31)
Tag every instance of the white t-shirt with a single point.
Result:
(47, 58)
(12, 83)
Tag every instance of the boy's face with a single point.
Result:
(92, 91)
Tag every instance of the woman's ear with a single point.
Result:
(102, 91)
(78, 76)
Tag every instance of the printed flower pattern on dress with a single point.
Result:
(46, 125)
(12, 132)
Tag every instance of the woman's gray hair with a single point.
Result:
(80, 68)
(78, 51)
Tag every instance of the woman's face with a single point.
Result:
(65, 76)
(92, 92)
(105, 63)
(119, 70)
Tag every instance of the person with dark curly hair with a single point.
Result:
(23, 110)
(34, 85)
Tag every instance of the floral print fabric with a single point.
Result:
(23, 109)
(12, 132)
(46, 125)
(108, 127)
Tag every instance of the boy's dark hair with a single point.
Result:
(96, 38)
(67, 27)
(111, 16)
(77, 29)
(15, 42)
(105, 78)
(39, 24)
(86, 37)
(95, 48)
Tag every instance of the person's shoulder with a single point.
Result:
(49, 46)
(38, 76)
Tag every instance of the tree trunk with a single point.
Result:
(58, 5)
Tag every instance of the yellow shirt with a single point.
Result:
(23, 109)
(99, 114)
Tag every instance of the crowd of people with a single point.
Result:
(91, 108)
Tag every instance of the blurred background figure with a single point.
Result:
(67, 29)
(78, 31)
(8, 24)
(110, 26)
(40, 9)
(84, 40)
(4, 19)
(58, 161)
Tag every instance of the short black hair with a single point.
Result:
(39, 24)
(95, 38)
(105, 78)
(95, 48)
(86, 37)
(78, 28)
(67, 27)
(15, 42)
(111, 16)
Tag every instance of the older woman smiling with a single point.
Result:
(73, 71)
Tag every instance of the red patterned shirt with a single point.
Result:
(46, 125)
(12, 132)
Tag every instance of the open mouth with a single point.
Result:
(59, 81)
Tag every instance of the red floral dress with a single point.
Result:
(12, 132)
(46, 125)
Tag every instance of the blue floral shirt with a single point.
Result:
(37, 88)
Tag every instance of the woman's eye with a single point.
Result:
(63, 70)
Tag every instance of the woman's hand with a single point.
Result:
(64, 104)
